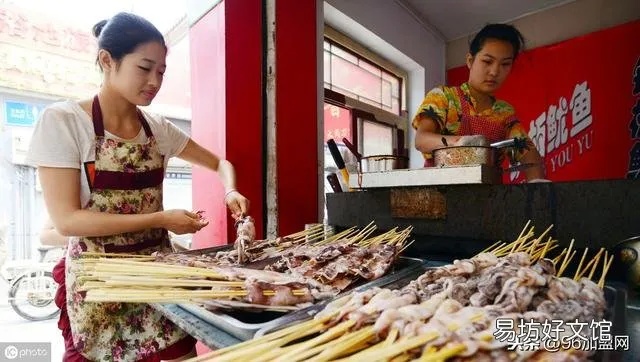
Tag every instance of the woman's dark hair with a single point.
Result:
(123, 33)
(502, 32)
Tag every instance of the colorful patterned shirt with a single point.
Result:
(442, 104)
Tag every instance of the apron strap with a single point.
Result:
(96, 116)
(98, 122)
(145, 124)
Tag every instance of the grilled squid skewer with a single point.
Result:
(246, 232)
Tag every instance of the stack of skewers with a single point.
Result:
(457, 312)
(303, 269)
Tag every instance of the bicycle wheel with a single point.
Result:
(31, 296)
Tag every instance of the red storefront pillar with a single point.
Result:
(296, 113)
(226, 87)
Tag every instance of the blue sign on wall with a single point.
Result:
(22, 114)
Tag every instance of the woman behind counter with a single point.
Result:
(470, 115)
(101, 163)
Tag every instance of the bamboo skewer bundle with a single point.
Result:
(344, 343)
(135, 278)
(117, 280)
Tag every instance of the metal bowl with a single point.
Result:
(627, 261)
(455, 156)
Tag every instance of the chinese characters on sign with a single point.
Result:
(581, 108)
(337, 123)
(22, 114)
(634, 126)
(554, 137)
(555, 335)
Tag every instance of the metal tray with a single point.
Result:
(616, 299)
(616, 313)
(246, 324)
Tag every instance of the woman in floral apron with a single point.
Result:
(101, 164)
(470, 114)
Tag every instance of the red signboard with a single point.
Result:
(337, 123)
(576, 99)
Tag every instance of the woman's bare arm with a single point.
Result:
(198, 155)
(428, 138)
(50, 236)
(61, 189)
(535, 172)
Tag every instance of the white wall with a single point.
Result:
(390, 30)
(559, 23)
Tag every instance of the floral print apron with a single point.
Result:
(127, 180)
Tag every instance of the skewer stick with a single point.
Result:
(391, 337)
(524, 244)
(274, 353)
(376, 239)
(556, 260)
(327, 336)
(395, 349)
(144, 264)
(269, 337)
(364, 233)
(567, 257)
(535, 243)
(132, 270)
(303, 356)
(92, 254)
(444, 353)
(487, 250)
(604, 272)
(592, 263)
(566, 264)
(245, 354)
(546, 248)
(543, 255)
(400, 237)
(406, 246)
(597, 258)
(511, 248)
(524, 229)
(584, 255)
(404, 357)
(135, 281)
(312, 236)
(273, 340)
(521, 240)
(359, 337)
(568, 252)
(341, 235)
(303, 232)
(499, 249)
(544, 233)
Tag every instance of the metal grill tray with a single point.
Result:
(245, 324)
(616, 299)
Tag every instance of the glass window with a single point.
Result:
(377, 139)
(355, 77)
(327, 67)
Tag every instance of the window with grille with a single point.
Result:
(354, 76)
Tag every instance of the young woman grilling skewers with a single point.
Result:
(101, 163)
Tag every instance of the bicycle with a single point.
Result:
(32, 288)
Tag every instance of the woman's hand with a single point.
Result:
(237, 204)
(182, 221)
